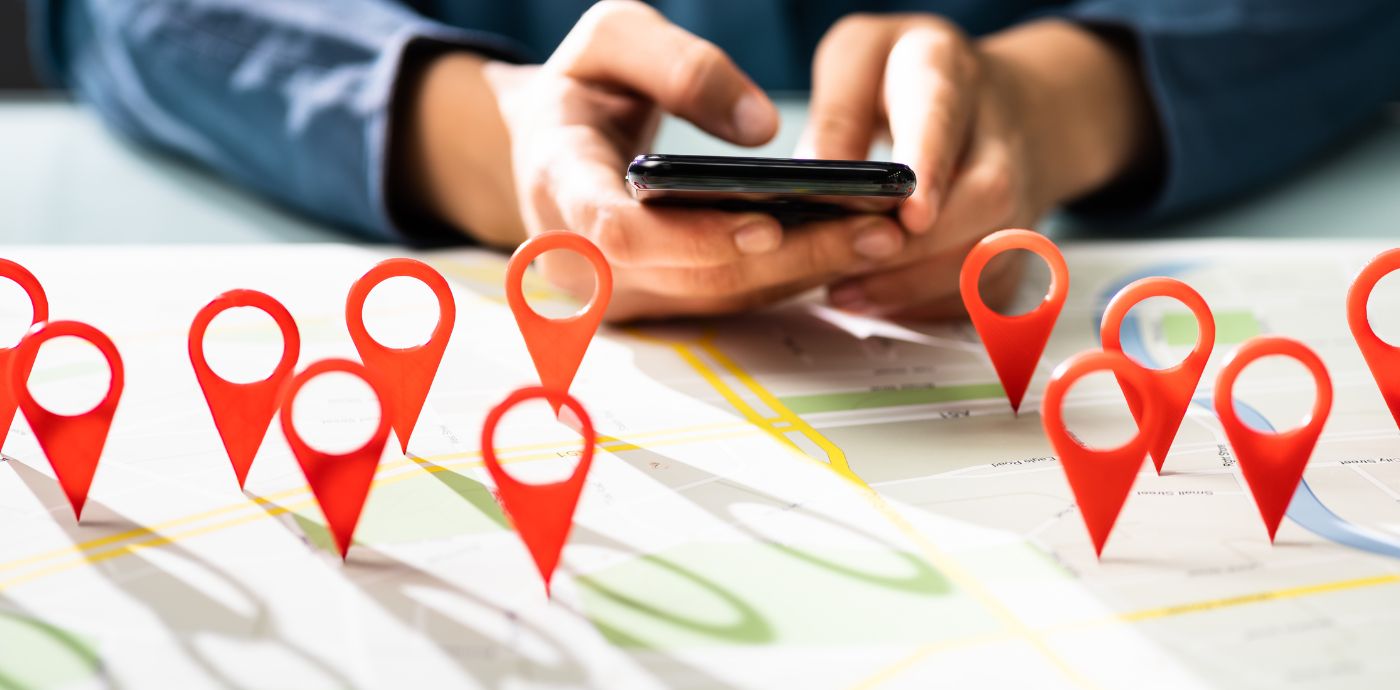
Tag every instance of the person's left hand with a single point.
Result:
(988, 130)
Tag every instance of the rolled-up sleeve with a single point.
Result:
(1248, 90)
(292, 98)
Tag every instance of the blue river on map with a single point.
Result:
(1306, 509)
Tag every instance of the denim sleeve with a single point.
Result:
(291, 98)
(1248, 90)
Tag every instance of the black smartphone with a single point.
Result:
(795, 190)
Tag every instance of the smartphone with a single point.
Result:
(795, 190)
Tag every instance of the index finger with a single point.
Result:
(926, 90)
(631, 45)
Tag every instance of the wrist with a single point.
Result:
(457, 161)
(1087, 115)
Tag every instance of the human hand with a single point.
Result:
(577, 120)
(997, 131)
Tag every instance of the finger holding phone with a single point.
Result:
(997, 130)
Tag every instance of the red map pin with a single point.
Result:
(1100, 478)
(1014, 343)
(405, 374)
(1272, 463)
(1382, 357)
(1175, 384)
(557, 345)
(542, 514)
(339, 481)
(39, 304)
(73, 444)
(243, 411)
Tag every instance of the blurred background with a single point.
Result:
(16, 72)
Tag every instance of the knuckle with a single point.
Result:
(836, 124)
(997, 187)
(593, 32)
(694, 69)
(715, 282)
(830, 251)
(608, 232)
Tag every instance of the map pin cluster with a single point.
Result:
(1014, 343)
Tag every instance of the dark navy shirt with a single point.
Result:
(294, 97)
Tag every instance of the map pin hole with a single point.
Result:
(560, 263)
(70, 376)
(1096, 414)
(534, 446)
(336, 413)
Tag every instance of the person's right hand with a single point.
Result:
(576, 121)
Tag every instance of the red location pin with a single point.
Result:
(1382, 357)
(1014, 343)
(1175, 384)
(557, 345)
(339, 481)
(542, 514)
(243, 411)
(1100, 478)
(404, 374)
(73, 444)
(1272, 463)
(40, 306)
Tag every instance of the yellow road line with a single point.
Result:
(87, 556)
(1255, 598)
(605, 443)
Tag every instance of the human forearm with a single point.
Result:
(1091, 120)
(455, 163)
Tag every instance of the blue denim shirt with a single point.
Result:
(294, 98)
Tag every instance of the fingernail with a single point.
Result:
(849, 298)
(752, 117)
(758, 237)
(879, 241)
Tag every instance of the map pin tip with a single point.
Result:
(1014, 343)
